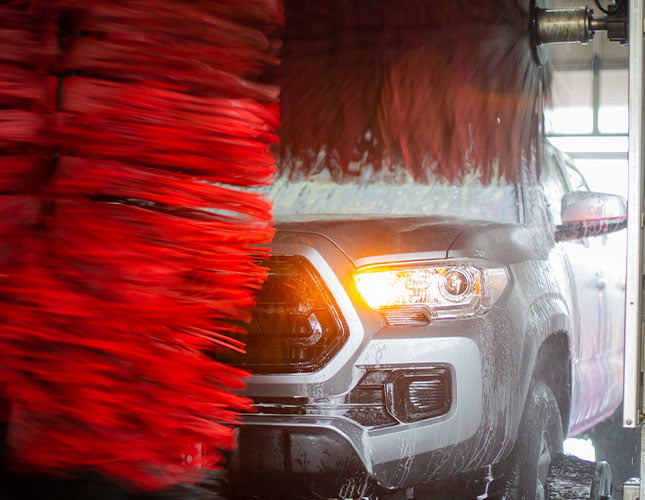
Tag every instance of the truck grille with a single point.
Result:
(296, 326)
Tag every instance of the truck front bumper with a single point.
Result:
(330, 449)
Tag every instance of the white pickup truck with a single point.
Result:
(392, 351)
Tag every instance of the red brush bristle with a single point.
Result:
(122, 262)
(412, 82)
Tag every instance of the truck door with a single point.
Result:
(590, 376)
(609, 251)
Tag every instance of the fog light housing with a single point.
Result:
(413, 395)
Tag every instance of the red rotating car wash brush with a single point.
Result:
(395, 83)
(128, 245)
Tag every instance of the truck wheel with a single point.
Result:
(571, 478)
(539, 441)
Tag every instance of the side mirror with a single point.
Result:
(586, 213)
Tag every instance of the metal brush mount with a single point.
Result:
(577, 25)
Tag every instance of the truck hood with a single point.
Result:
(372, 240)
(366, 240)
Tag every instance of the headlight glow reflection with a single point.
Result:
(442, 292)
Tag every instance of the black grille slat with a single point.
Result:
(296, 325)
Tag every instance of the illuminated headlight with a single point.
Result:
(416, 294)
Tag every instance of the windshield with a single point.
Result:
(470, 199)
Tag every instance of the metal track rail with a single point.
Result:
(633, 396)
